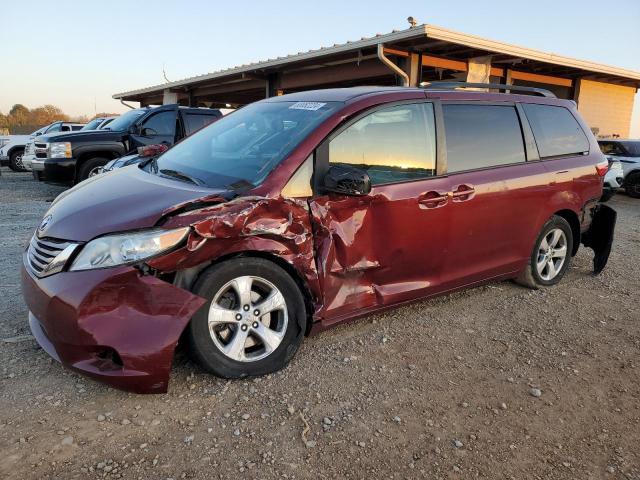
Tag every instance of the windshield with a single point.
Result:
(245, 146)
(124, 121)
(93, 124)
(633, 148)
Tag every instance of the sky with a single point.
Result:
(77, 54)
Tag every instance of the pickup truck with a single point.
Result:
(70, 158)
(13, 146)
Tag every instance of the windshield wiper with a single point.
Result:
(181, 176)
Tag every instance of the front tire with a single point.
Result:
(632, 185)
(91, 168)
(253, 323)
(15, 161)
(551, 255)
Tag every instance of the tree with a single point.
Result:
(19, 114)
(46, 114)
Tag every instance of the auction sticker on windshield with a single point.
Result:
(307, 105)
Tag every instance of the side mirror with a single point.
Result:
(134, 129)
(347, 180)
(148, 132)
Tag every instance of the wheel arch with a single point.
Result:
(574, 222)
(187, 278)
(14, 148)
(87, 155)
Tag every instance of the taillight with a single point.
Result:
(602, 168)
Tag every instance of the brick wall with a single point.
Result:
(606, 107)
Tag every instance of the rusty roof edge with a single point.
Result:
(480, 43)
(431, 31)
(418, 31)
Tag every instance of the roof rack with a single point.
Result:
(493, 86)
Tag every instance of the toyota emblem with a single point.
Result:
(45, 221)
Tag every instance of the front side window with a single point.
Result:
(393, 144)
(163, 123)
(481, 136)
(556, 130)
(632, 148)
(243, 147)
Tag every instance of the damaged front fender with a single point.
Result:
(276, 226)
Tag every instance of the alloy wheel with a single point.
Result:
(552, 253)
(18, 161)
(248, 318)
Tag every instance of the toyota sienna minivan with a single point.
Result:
(298, 212)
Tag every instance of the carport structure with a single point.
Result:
(422, 53)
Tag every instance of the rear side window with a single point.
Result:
(480, 136)
(393, 144)
(194, 121)
(556, 130)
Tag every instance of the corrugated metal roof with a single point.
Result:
(425, 31)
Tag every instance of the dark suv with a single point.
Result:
(302, 211)
(71, 158)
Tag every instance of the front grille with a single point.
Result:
(41, 150)
(48, 255)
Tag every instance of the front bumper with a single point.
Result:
(115, 325)
(53, 170)
(28, 160)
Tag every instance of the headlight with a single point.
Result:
(60, 150)
(121, 249)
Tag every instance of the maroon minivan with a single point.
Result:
(298, 212)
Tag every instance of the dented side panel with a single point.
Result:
(379, 250)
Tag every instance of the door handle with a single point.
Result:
(463, 193)
(433, 199)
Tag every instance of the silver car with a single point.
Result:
(627, 152)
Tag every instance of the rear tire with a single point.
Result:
(632, 185)
(15, 161)
(226, 335)
(551, 255)
(91, 167)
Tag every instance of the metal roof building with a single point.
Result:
(604, 94)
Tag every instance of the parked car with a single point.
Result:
(301, 211)
(613, 180)
(71, 158)
(142, 154)
(627, 152)
(98, 123)
(12, 152)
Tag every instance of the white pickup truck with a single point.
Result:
(12, 146)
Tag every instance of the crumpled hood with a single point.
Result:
(125, 199)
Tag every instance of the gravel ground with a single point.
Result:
(493, 382)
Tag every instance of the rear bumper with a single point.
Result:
(114, 325)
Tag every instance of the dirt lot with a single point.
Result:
(440, 389)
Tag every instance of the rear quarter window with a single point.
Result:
(556, 130)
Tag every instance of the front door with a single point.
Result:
(386, 247)
(159, 127)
